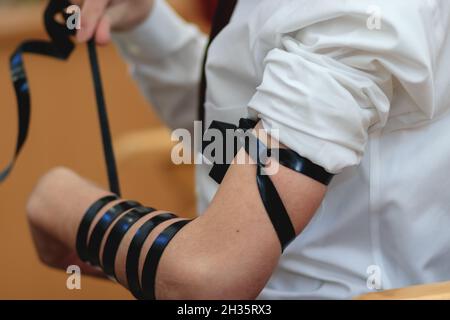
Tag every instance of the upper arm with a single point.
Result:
(231, 251)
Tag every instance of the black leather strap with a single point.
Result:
(292, 160)
(154, 256)
(276, 211)
(219, 170)
(102, 227)
(134, 252)
(83, 229)
(116, 235)
(60, 47)
(273, 204)
(108, 151)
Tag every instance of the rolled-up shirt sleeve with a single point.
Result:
(330, 78)
(165, 54)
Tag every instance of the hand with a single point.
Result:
(100, 17)
(55, 209)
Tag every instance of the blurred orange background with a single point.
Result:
(64, 131)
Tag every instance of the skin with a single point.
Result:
(229, 252)
(101, 17)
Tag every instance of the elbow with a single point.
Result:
(206, 279)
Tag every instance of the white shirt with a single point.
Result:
(371, 105)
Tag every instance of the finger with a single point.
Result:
(113, 17)
(103, 34)
(91, 14)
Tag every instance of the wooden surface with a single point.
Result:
(64, 131)
(436, 291)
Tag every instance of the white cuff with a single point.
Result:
(160, 34)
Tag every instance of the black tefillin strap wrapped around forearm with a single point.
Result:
(120, 217)
(269, 195)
